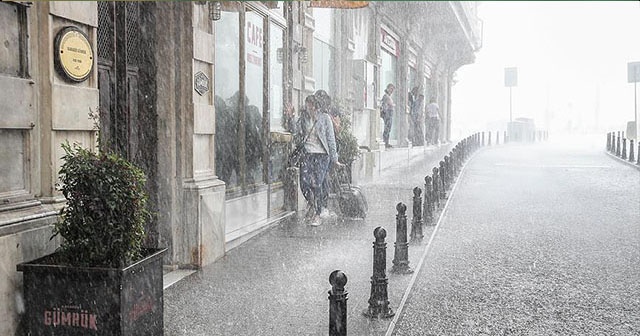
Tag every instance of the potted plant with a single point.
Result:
(348, 149)
(101, 280)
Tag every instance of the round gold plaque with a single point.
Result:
(73, 54)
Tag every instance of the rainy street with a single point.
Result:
(522, 248)
(537, 240)
(314, 167)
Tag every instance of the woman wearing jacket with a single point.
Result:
(314, 130)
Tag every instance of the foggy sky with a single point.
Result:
(572, 66)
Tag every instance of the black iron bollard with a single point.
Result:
(638, 163)
(631, 156)
(449, 166)
(447, 169)
(455, 160)
(482, 139)
(437, 185)
(618, 145)
(624, 148)
(497, 138)
(609, 142)
(416, 222)
(506, 139)
(337, 304)
(443, 180)
(401, 254)
(379, 299)
(428, 201)
(489, 142)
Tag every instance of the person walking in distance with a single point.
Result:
(387, 107)
(433, 122)
(416, 100)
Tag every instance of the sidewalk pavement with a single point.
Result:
(277, 282)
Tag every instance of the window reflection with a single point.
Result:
(227, 86)
(254, 70)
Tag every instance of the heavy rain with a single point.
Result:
(319, 167)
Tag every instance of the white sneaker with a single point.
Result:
(315, 221)
(326, 214)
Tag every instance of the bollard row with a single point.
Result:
(425, 206)
(617, 145)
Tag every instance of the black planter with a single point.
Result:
(64, 300)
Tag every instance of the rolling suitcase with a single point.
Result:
(353, 204)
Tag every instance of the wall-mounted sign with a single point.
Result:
(73, 54)
(389, 43)
(254, 40)
(201, 83)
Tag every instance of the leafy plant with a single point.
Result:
(102, 223)
(348, 150)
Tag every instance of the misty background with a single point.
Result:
(572, 67)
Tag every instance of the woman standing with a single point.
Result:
(314, 132)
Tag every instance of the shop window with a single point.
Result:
(13, 40)
(276, 81)
(276, 98)
(18, 116)
(323, 65)
(241, 96)
(254, 91)
(227, 93)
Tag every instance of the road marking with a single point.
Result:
(548, 166)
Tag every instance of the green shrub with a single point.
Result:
(348, 149)
(103, 221)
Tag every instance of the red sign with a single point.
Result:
(75, 318)
(255, 41)
(389, 43)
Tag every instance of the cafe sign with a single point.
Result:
(73, 54)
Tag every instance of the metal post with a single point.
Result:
(624, 148)
(416, 222)
(448, 165)
(489, 143)
(505, 138)
(452, 166)
(631, 148)
(443, 180)
(510, 107)
(609, 142)
(428, 200)
(437, 185)
(379, 299)
(618, 145)
(401, 254)
(482, 138)
(337, 304)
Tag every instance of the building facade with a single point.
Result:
(193, 92)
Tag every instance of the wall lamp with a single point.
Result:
(214, 8)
